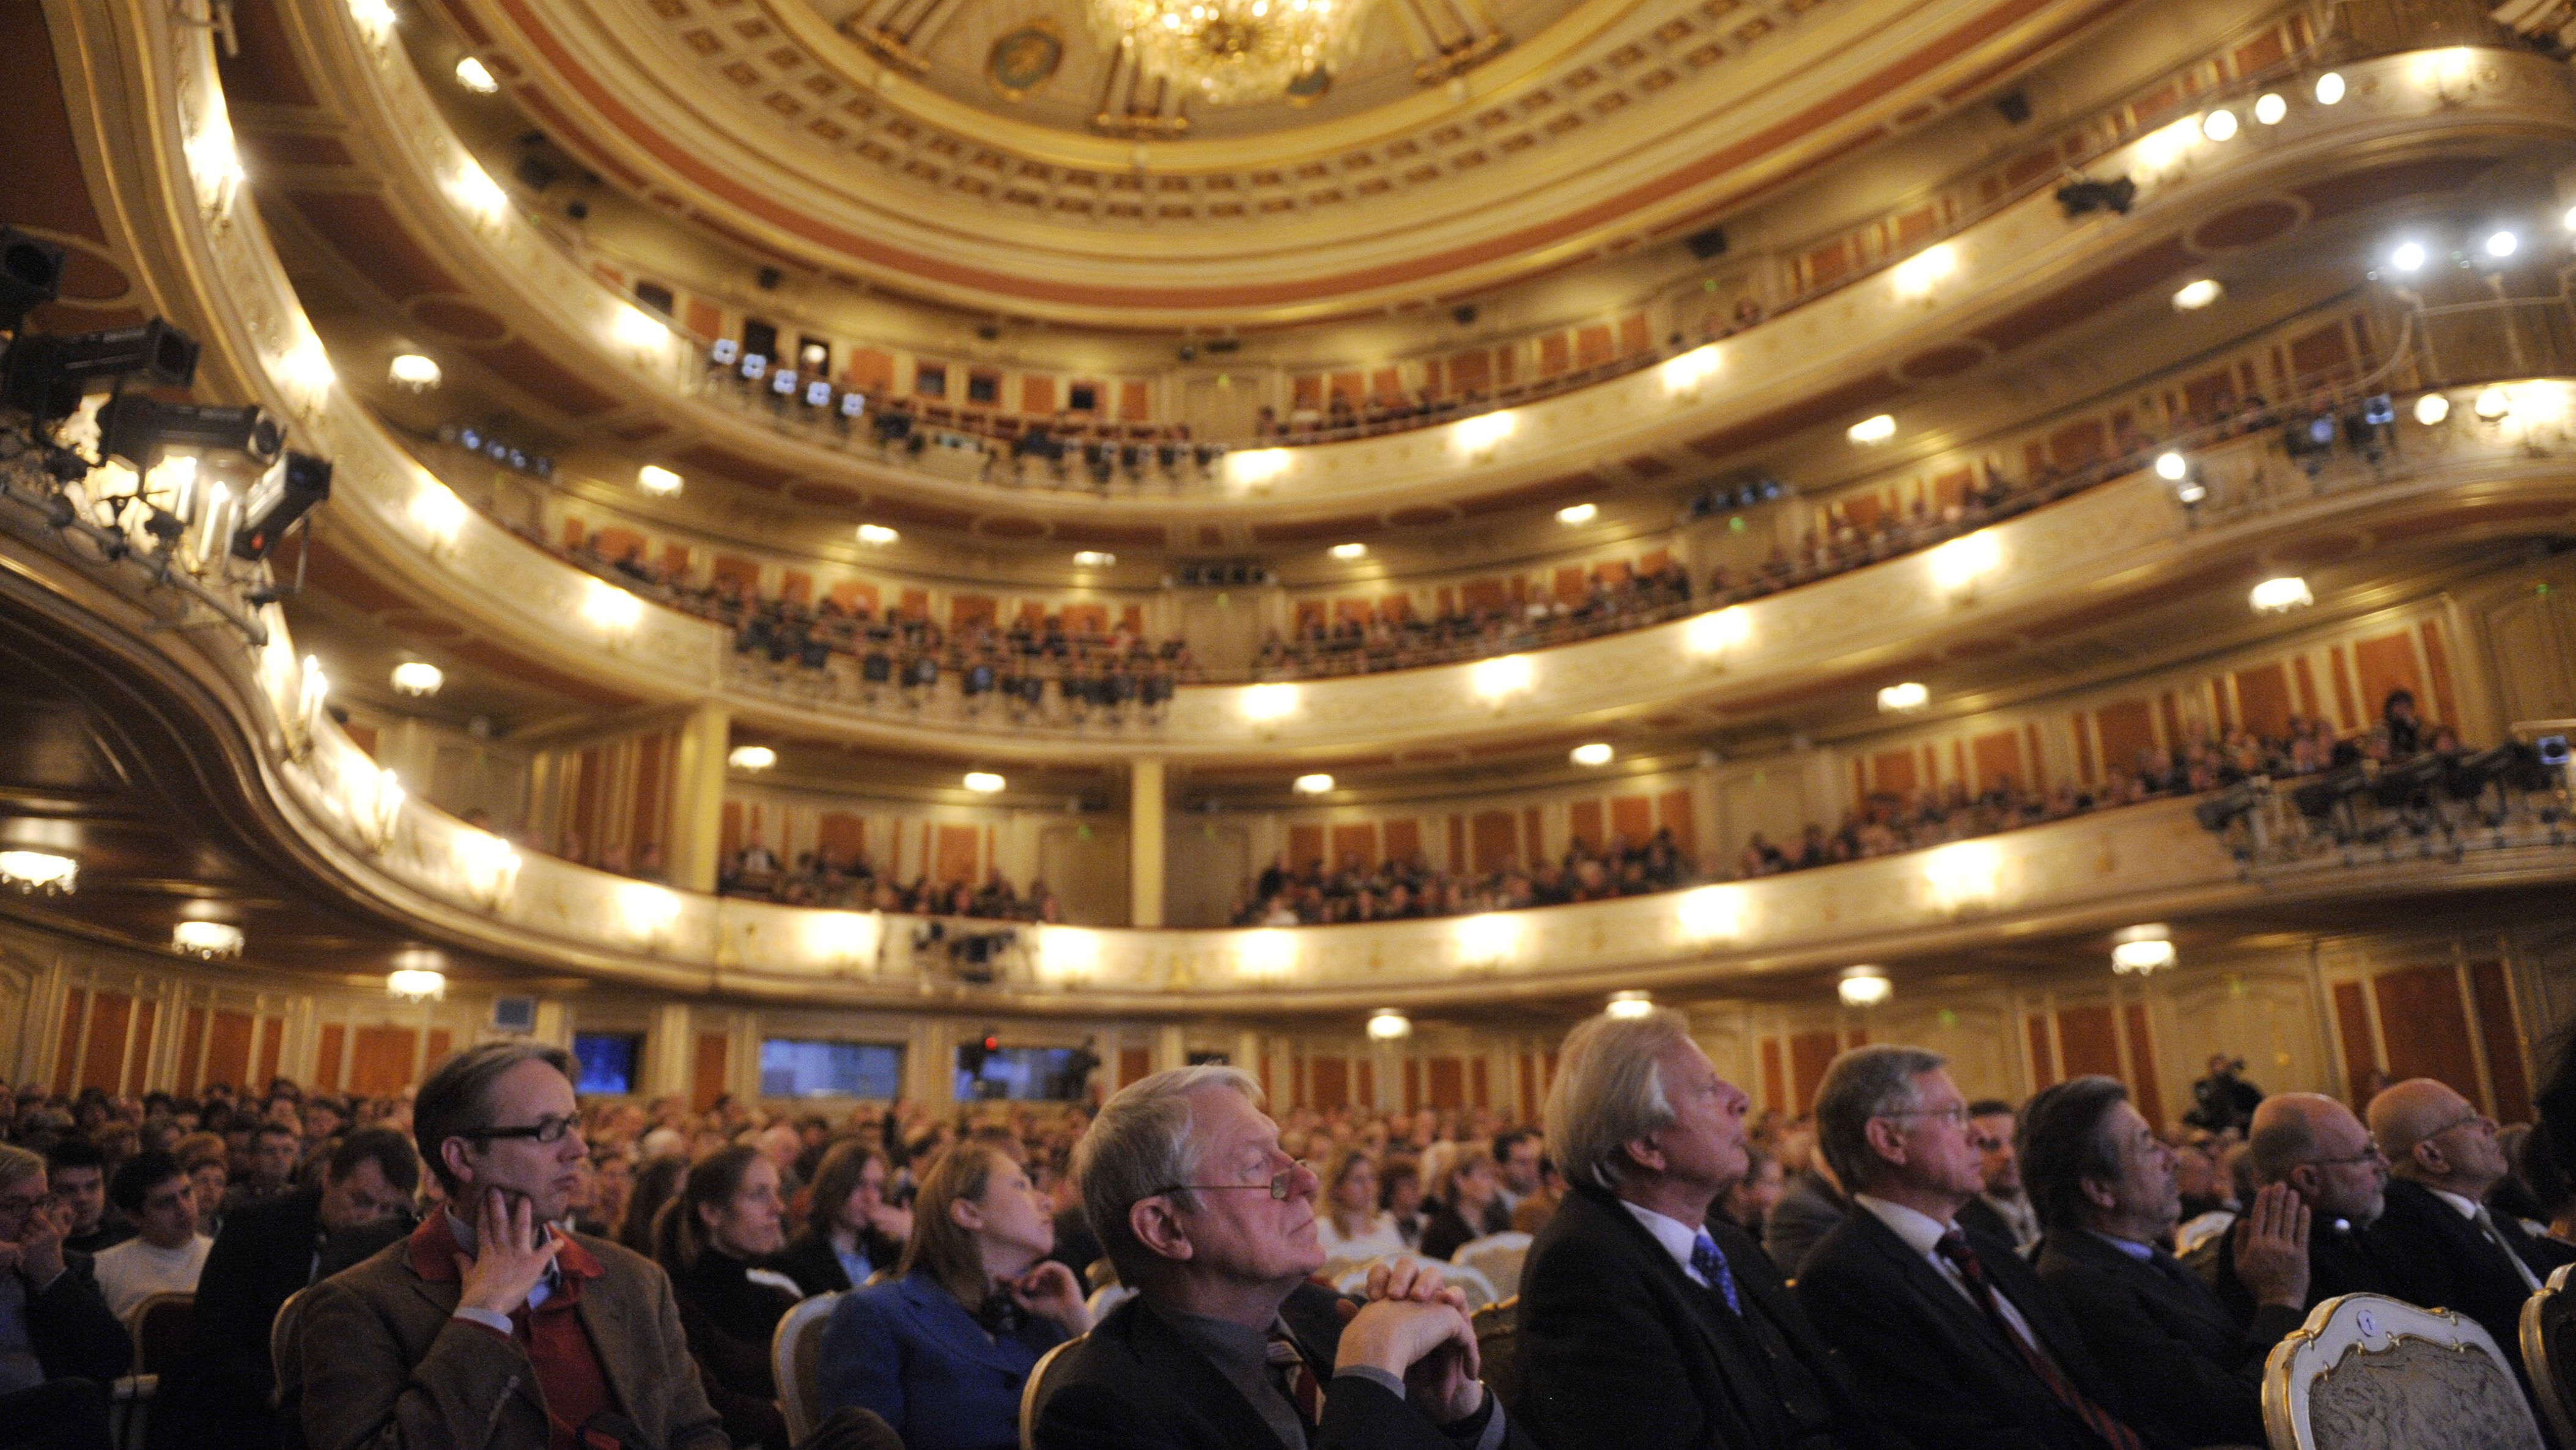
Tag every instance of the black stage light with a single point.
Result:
(139, 429)
(288, 492)
(45, 377)
(31, 275)
(2079, 197)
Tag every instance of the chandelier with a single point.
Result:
(1231, 51)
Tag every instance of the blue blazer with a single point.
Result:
(909, 1351)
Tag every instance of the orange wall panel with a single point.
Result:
(228, 1050)
(2503, 1043)
(2086, 1039)
(2426, 1027)
(707, 1071)
(326, 1057)
(1810, 1053)
(380, 1060)
(1448, 1077)
(103, 1056)
(67, 1042)
(2385, 664)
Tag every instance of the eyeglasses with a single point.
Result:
(550, 1129)
(2476, 1119)
(1282, 1184)
(2370, 1154)
(1956, 1115)
(20, 1205)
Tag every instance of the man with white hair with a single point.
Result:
(1952, 1338)
(1226, 1346)
(1645, 1322)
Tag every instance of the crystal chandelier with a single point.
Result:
(1230, 51)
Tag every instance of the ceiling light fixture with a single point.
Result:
(1869, 432)
(2269, 108)
(1904, 699)
(1628, 1006)
(1315, 784)
(2197, 295)
(1578, 513)
(1389, 1025)
(1595, 753)
(2493, 404)
(2502, 244)
(2172, 467)
(2432, 408)
(416, 984)
(2141, 957)
(658, 481)
(2277, 596)
(984, 782)
(207, 939)
(418, 679)
(39, 872)
(2218, 125)
(877, 534)
(751, 757)
(1348, 552)
(1232, 51)
(414, 373)
(1093, 559)
(2409, 257)
(475, 76)
(1864, 987)
(2329, 88)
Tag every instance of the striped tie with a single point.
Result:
(1954, 1247)
(1297, 1380)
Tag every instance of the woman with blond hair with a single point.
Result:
(1349, 1223)
(943, 1350)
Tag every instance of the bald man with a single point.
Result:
(2315, 1145)
(2437, 1239)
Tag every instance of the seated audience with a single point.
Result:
(429, 1341)
(1518, 1155)
(655, 1183)
(77, 1170)
(1399, 1192)
(1645, 1321)
(222, 1394)
(60, 1347)
(851, 1232)
(1954, 1341)
(208, 1167)
(1349, 1224)
(1808, 1209)
(2313, 1145)
(2437, 1242)
(1226, 1346)
(2105, 1186)
(1466, 1205)
(274, 1152)
(943, 1352)
(2001, 1210)
(725, 1219)
(1750, 1199)
(166, 1253)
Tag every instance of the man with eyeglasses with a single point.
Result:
(490, 1326)
(60, 1348)
(2314, 1145)
(222, 1391)
(2439, 1242)
(1226, 1346)
(1952, 1339)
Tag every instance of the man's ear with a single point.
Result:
(1645, 1153)
(1885, 1140)
(453, 1153)
(966, 1213)
(2098, 1193)
(1158, 1228)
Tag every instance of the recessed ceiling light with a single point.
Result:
(417, 678)
(2502, 244)
(1578, 513)
(2270, 108)
(2218, 125)
(984, 782)
(1350, 551)
(2408, 257)
(1872, 430)
(2171, 467)
(474, 76)
(2196, 295)
(2329, 88)
(877, 534)
(1315, 784)
(1594, 753)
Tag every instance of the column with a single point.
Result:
(1145, 842)
(668, 1045)
(1171, 1047)
(697, 797)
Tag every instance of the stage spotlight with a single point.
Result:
(2409, 257)
(47, 376)
(288, 492)
(2079, 197)
(31, 274)
(138, 429)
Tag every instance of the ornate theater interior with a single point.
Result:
(803, 546)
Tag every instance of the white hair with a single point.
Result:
(1609, 1091)
(1143, 1144)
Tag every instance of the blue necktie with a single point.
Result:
(1710, 1264)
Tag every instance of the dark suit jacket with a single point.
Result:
(2164, 1335)
(1619, 1350)
(70, 1329)
(1800, 1221)
(2339, 1263)
(1930, 1364)
(1447, 1230)
(2434, 1257)
(267, 1251)
(808, 1259)
(1134, 1383)
(388, 1366)
(909, 1351)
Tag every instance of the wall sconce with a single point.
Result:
(651, 912)
(1684, 375)
(312, 692)
(1713, 635)
(1957, 565)
(207, 940)
(375, 18)
(1389, 1025)
(1713, 913)
(440, 514)
(844, 940)
(1264, 706)
(1488, 939)
(1257, 468)
(1068, 954)
(490, 868)
(383, 813)
(1964, 874)
(1916, 276)
(613, 610)
(1498, 679)
(1479, 436)
(1267, 955)
(477, 194)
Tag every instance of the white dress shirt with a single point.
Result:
(1676, 1237)
(1923, 1234)
(2475, 1213)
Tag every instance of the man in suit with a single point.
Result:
(1516, 1158)
(2002, 1210)
(2314, 1146)
(1225, 1346)
(1645, 1323)
(1954, 1341)
(1808, 1211)
(505, 1330)
(2437, 1242)
(2105, 1187)
(268, 1250)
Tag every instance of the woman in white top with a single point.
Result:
(1350, 1225)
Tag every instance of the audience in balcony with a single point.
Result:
(824, 877)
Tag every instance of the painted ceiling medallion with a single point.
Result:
(1025, 59)
(1233, 51)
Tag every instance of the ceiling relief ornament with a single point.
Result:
(1025, 59)
(1228, 52)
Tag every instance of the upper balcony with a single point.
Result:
(2401, 127)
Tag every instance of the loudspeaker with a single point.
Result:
(2016, 107)
(1707, 244)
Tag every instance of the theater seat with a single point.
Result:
(2367, 1372)
(795, 1354)
(2549, 1352)
(1033, 1394)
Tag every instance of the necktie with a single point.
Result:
(2487, 1225)
(1297, 1380)
(1710, 1264)
(1954, 1247)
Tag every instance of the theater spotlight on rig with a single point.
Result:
(140, 430)
(31, 275)
(45, 377)
(2081, 196)
(285, 494)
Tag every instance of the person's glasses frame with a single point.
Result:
(545, 1131)
(1282, 1185)
(1956, 1115)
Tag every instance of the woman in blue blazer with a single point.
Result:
(942, 1350)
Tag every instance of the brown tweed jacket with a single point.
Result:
(386, 1366)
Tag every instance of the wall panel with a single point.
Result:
(2426, 1027)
